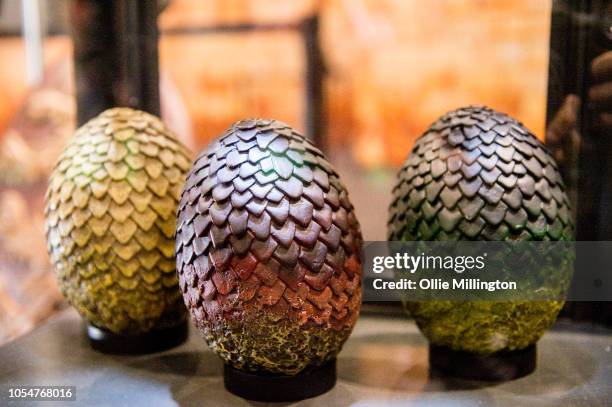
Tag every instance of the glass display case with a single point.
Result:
(370, 85)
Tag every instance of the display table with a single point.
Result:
(383, 363)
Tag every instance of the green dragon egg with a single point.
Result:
(268, 250)
(110, 222)
(477, 174)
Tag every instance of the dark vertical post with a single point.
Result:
(315, 72)
(116, 57)
(95, 54)
(137, 27)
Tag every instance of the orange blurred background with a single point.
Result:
(393, 66)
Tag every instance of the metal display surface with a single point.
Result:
(383, 363)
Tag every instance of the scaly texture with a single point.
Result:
(268, 250)
(477, 174)
(110, 221)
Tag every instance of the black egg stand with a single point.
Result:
(276, 388)
(156, 340)
(499, 366)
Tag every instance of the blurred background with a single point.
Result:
(363, 78)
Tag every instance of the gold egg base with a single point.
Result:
(500, 366)
(279, 388)
(157, 340)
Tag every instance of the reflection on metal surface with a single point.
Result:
(384, 362)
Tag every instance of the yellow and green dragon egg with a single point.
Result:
(110, 221)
